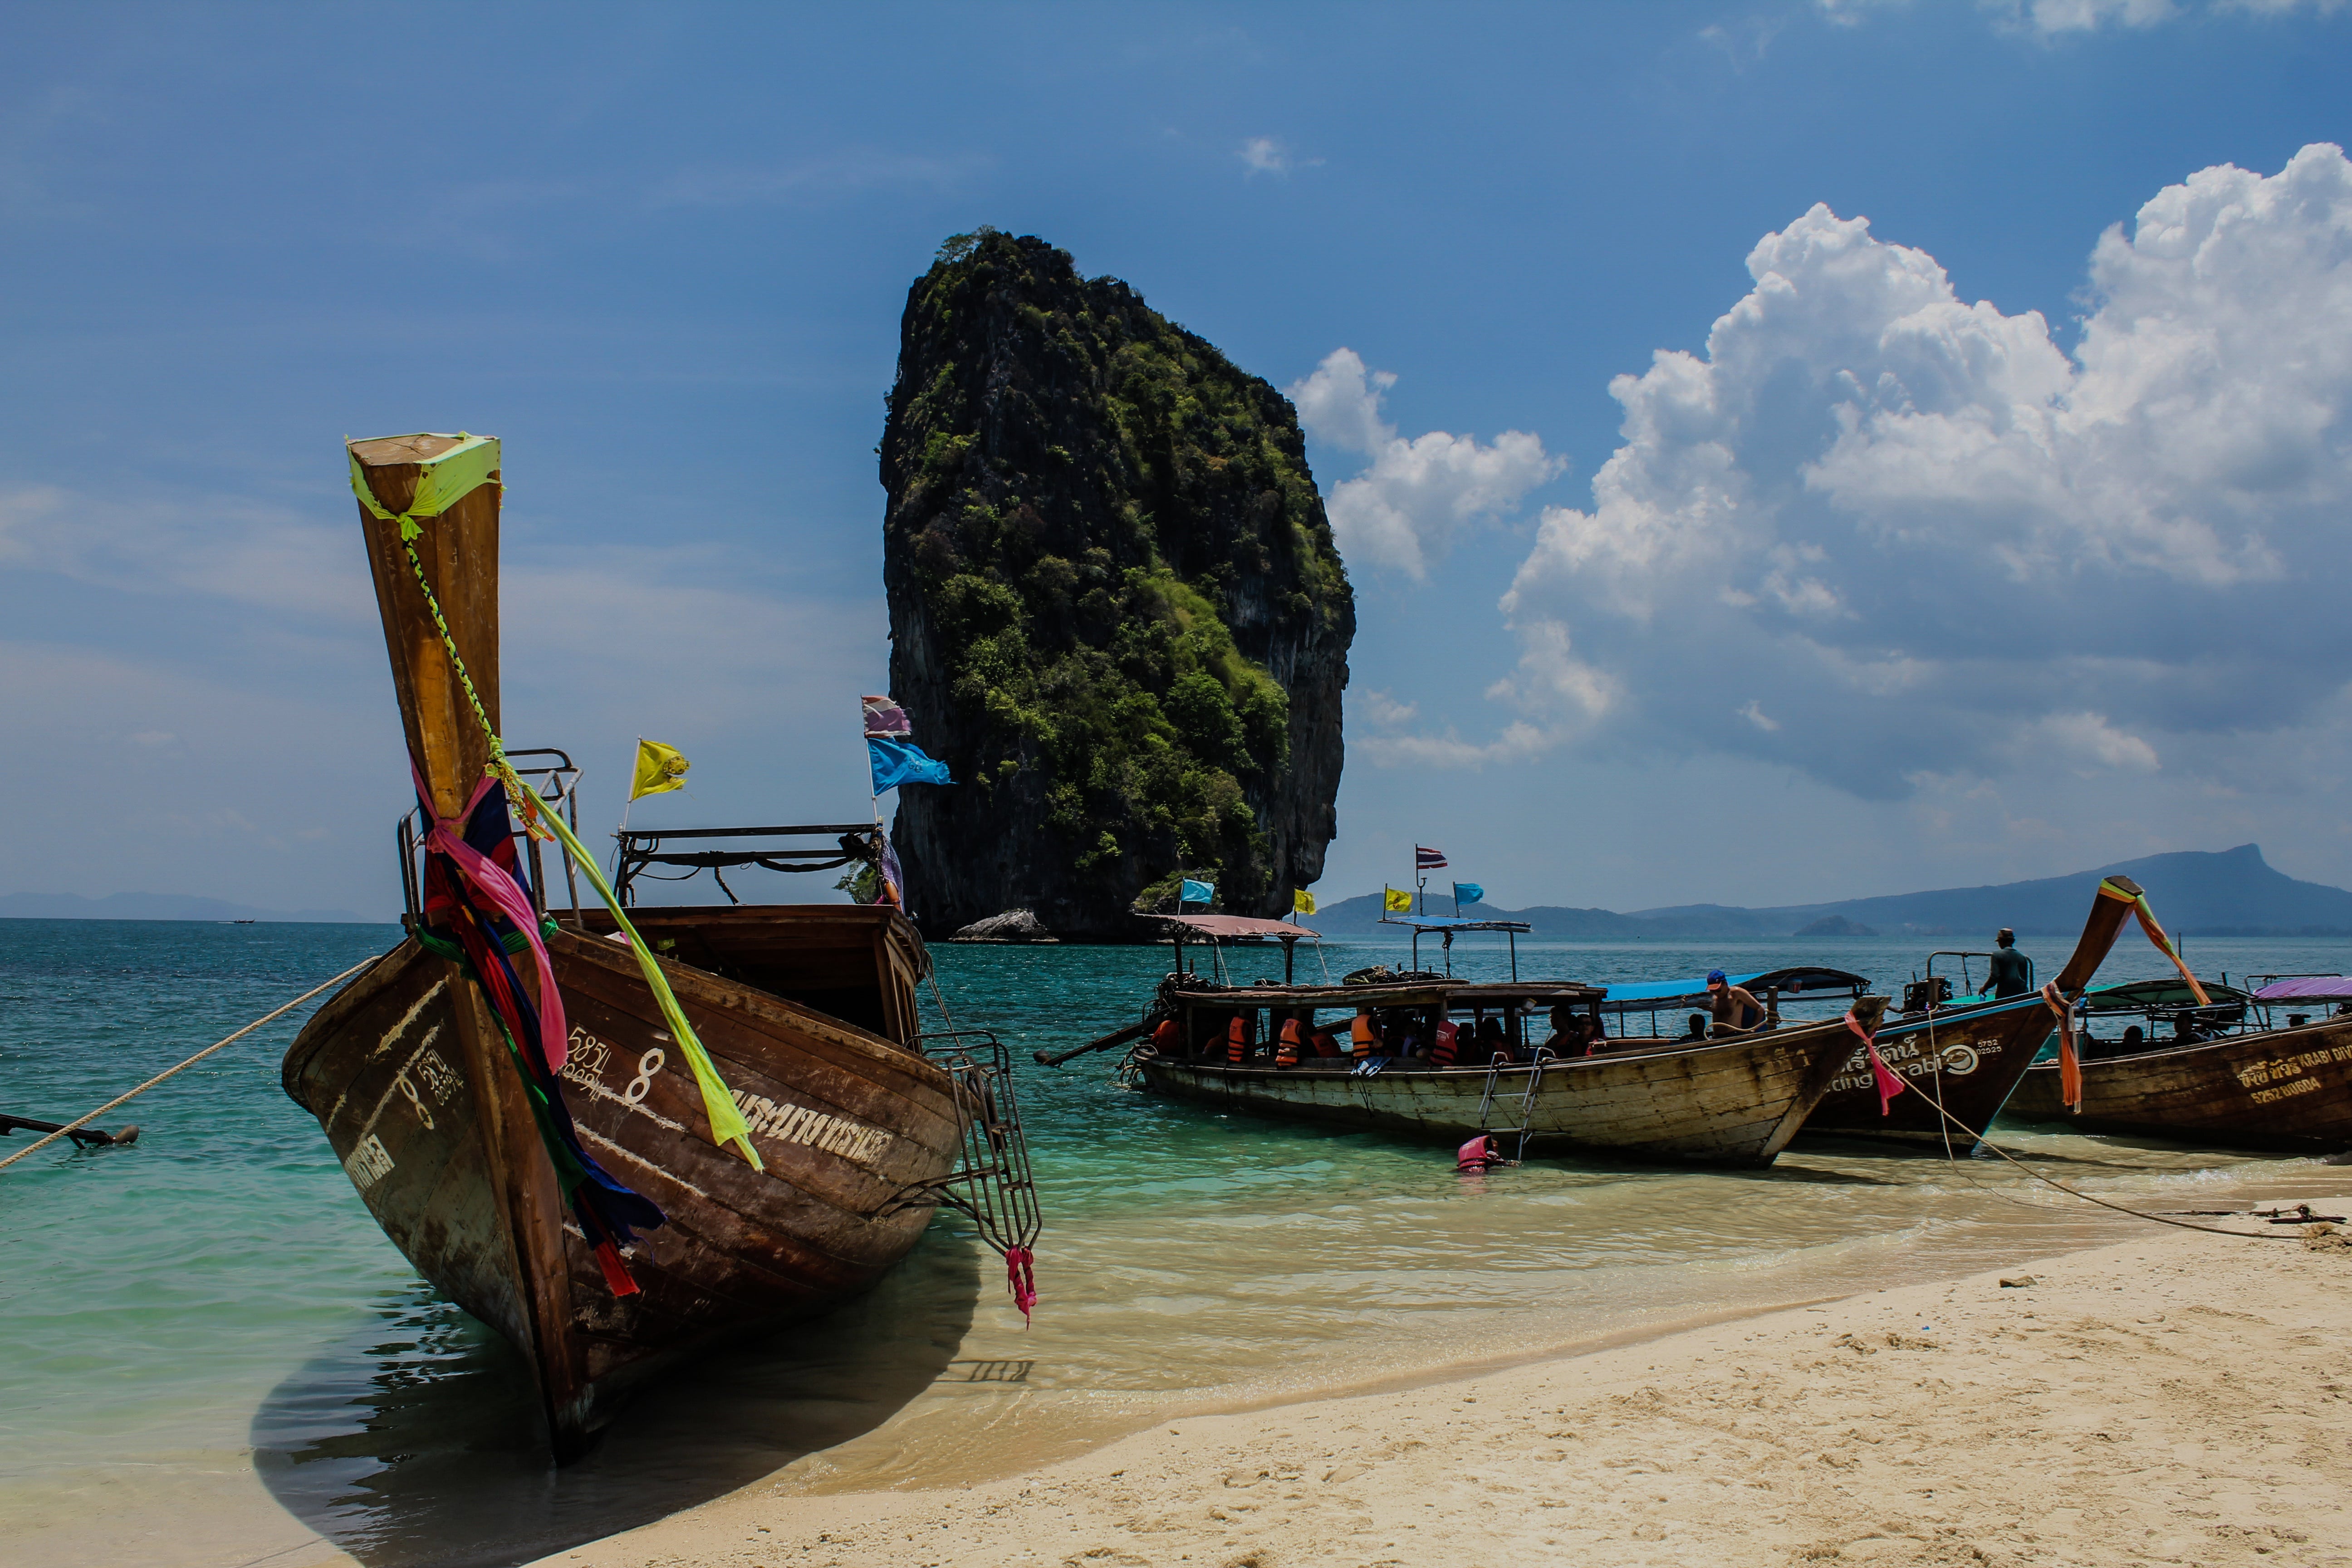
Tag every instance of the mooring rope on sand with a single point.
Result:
(216, 1045)
(1953, 1161)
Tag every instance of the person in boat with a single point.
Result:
(1286, 1053)
(1445, 1051)
(2010, 973)
(1364, 1036)
(1325, 1046)
(1735, 1009)
(1168, 1039)
(1695, 1028)
(1493, 1041)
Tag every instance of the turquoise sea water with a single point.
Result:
(209, 1355)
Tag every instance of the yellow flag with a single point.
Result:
(1399, 901)
(660, 768)
(1302, 902)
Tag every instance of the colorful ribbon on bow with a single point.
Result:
(2147, 917)
(1889, 1084)
(2070, 1066)
(471, 888)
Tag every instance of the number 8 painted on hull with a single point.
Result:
(643, 1084)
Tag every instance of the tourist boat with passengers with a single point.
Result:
(617, 1135)
(2268, 1068)
(1521, 1071)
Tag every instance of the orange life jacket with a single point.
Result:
(1325, 1046)
(1366, 1037)
(1442, 1053)
(1166, 1038)
(1287, 1053)
(1237, 1039)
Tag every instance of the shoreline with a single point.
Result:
(2173, 1396)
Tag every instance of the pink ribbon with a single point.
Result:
(488, 878)
(1889, 1085)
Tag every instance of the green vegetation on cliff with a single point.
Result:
(1108, 557)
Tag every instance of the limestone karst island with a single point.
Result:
(1115, 607)
(1596, 815)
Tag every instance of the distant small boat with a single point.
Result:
(2216, 1083)
(1734, 1102)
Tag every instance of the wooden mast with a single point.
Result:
(459, 551)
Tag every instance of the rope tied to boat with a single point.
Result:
(446, 479)
(125, 1099)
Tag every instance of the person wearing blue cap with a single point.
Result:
(1735, 1009)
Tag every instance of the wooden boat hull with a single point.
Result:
(1964, 1064)
(405, 1071)
(2288, 1090)
(1733, 1102)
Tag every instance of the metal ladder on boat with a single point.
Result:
(1521, 1105)
(992, 1184)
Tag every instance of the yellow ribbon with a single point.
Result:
(447, 479)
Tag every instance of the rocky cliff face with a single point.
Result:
(1115, 611)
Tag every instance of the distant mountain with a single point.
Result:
(160, 907)
(2233, 893)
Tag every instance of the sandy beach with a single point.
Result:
(2176, 1398)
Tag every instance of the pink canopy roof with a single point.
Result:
(1238, 926)
(2307, 988)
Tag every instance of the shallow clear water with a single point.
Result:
(212, 1357)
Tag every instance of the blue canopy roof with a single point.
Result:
(1663, 994)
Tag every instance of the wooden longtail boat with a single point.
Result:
(1961, 1063)
(1733, 1102)
(421, 1090)
(2284, 1090)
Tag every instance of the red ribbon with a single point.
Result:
(1021, 1274)
(1889, 1085)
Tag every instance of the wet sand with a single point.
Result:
(2178, 1397)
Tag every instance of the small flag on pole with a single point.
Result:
(900, 763)
(1468, 892)
(1302, 902)
(659, 769)
(1426, 860)
(1194, 892)
(895, 759)
(1396, 900)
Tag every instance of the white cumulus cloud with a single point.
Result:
(1915, 536)
(1417, 493)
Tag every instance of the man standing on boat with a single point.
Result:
(1734, 1006)
(2012, 973)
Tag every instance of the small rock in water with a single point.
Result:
(2019, 1283)
(1012, 925)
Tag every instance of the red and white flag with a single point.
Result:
(885, 720)
(1426, 860)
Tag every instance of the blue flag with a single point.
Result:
(902, 761)
(1468, 892)
(1196, 893)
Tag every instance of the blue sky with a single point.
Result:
(1888, 584)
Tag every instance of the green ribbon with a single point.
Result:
(446, 479)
